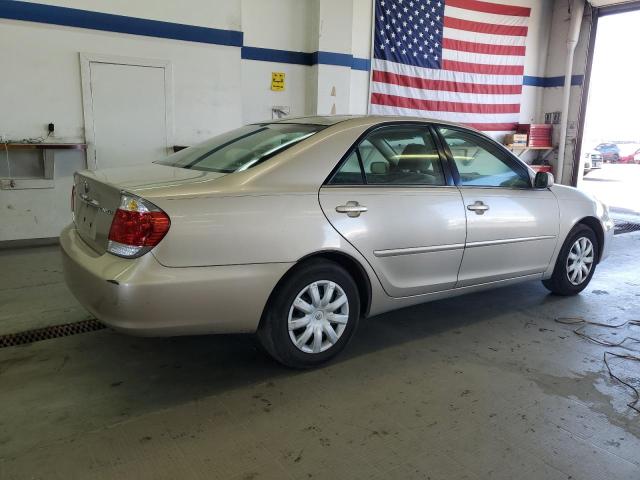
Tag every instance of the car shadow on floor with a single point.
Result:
(102, 378)
(184, 368)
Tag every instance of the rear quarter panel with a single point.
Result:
(243, 229)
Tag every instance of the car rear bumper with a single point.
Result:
(142, 297)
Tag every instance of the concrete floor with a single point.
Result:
(483, 386)
(616, 184)
(32, 291)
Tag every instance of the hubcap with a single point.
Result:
(580, 260)
(318, 316)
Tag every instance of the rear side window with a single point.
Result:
(350, 173)
(394, 155)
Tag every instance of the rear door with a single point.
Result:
(512, 228)
(393, 199)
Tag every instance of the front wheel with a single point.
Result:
(576, 262)
(311, 315)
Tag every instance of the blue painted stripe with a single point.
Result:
(546, 82)
(72, 17)
(303, 58)
(331, 58)
(278, 56)
(361, 64)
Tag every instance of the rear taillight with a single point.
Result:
(137, 227)
(73, 198)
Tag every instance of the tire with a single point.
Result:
(615, 158)
(568, 281)
(312, 316)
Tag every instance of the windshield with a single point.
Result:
(242, 148)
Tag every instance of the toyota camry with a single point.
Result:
(297, 229)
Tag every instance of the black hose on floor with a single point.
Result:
(607, 354)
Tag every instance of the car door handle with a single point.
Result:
(478, 207)
(352, 209)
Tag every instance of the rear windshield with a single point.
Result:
(242, 148)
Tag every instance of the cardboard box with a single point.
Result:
(515, 140)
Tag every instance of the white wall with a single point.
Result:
(536, 58)
(281, 25)
(332, 83)
(41, 84)
(214, 89)
(224, 14)
(361, 48)
(556, 59)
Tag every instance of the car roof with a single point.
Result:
(325, 120)
(353, 120)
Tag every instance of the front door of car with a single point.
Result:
(512, 228)
(394, 200)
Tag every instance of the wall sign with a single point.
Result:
(277, 81)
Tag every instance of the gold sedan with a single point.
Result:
(297, 229)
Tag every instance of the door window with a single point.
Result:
(481, 165)
(397, 155)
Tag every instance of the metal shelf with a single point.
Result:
(522, 150)
(43, 146)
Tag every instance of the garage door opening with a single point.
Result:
(610, 150)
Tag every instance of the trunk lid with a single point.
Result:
(97, 195)
(94, 206)
(151, 177)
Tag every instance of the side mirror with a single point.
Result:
(543, 180)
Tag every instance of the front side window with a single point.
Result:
(395, 155)
(242, 148)
(479, 164)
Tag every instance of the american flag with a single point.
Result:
(456, 60)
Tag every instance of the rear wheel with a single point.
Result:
(576, 262)
(311, 316)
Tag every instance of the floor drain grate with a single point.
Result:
(626, 227)
(56, 331)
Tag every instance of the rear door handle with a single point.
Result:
(478, 207)
(352, 209)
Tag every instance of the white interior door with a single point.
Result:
(128, 114)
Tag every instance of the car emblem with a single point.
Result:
(86, 187)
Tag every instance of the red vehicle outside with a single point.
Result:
(629, 152)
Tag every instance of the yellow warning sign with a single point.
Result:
(277, 81)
